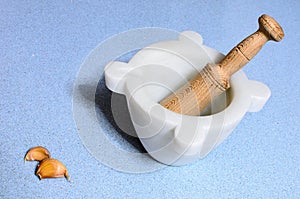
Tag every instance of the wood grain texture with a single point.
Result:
(197, 94)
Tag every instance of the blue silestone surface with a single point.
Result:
(44, 43)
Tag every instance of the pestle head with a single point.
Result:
(270, 26)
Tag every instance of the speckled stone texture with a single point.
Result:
(43, 44)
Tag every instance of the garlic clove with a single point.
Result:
(37, 154)
(52, 168)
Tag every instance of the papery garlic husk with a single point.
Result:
(52, 168)
(38, 153)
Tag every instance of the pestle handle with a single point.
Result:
(197, 94)
(242, 53)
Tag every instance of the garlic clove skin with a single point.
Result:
(37, 153)
(52, 168)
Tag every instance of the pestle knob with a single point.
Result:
(197, 94)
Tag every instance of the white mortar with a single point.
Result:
(157, 70)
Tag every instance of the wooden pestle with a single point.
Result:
(197, 94)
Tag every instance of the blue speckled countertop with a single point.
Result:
(43, 45)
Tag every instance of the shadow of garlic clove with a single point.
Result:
(38, 153)
(52, 168)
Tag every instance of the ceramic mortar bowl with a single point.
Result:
(158, 70)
